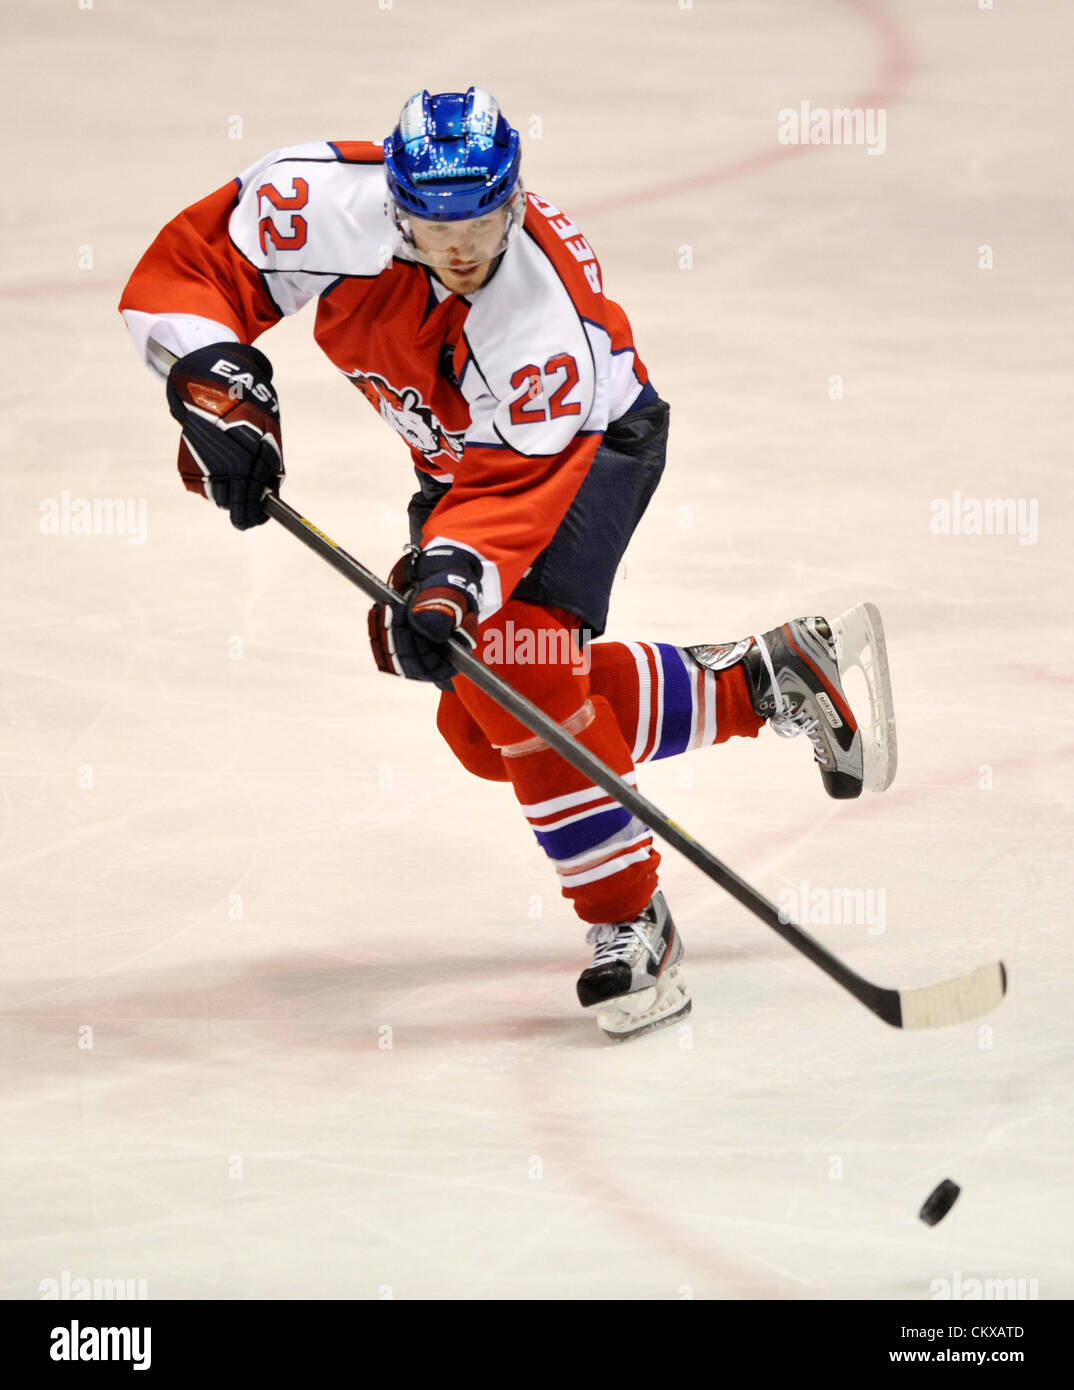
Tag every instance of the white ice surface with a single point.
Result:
(779, 1148)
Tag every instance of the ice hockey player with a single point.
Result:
(472, 315)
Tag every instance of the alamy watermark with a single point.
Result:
(834, 125)
(527, 646)
(77, 1343)
(959, 1288)
(959, 515)
(97, 516)
(825, 907)
(68, 1287)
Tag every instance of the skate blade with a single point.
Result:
(658, 1007)
(858, 635)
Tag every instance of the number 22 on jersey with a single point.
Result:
(529, 408)
(297, 198)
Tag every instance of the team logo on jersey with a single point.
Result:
(408, 414)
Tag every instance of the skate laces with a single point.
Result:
(615, 941)
(786, 722)
(791, 725)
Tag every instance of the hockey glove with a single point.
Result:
(439, 590)
(230, 449)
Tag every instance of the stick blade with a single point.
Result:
(954, 1001)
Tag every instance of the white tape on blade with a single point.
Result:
(954, 1001)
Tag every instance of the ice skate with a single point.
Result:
(635, 982)
(795, 675)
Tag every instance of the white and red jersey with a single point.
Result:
(504, 393)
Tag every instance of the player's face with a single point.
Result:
(461, 252)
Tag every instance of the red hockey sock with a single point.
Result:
(603, 855)
(665, 702)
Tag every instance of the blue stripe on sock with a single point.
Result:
(678, 704)
(583, 834)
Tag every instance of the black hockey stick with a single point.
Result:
(953, 1001)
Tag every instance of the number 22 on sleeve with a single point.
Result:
(267, 229)
(530, 407)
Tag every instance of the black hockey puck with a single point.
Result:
(939, 1202)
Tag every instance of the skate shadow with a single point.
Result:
(461, 997)
(304, 1001)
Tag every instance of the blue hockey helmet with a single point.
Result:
(451, 157)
